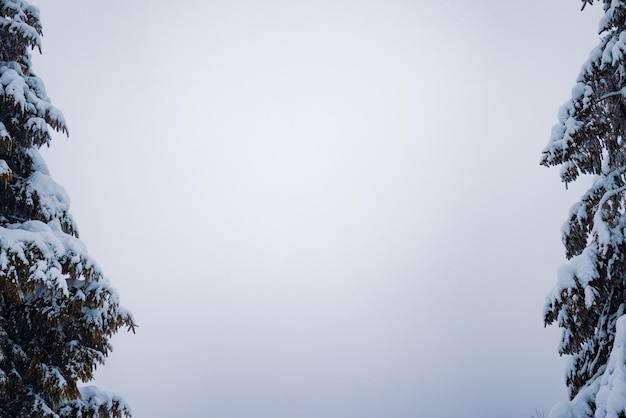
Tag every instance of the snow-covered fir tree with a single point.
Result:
(589, 299)
(57, 310)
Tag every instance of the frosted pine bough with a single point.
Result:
(57, 310)
(589, 299)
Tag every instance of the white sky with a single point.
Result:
(320, 208)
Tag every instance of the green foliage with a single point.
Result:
(57, 310)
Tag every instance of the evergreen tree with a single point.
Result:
(589, 299)
(57, 310)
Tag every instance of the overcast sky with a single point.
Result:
(320, 209)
